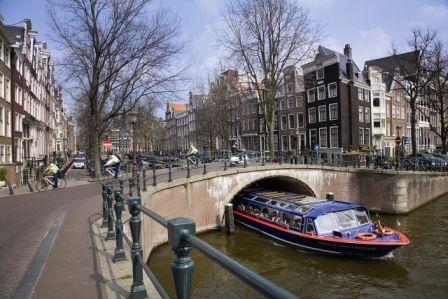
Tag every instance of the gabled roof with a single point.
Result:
(177, 106)
(16, 34)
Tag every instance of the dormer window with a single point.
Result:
(320, 73)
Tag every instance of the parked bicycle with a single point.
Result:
(46, 181)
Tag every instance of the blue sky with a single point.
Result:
(370, 26)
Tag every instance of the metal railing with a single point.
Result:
(182, 238)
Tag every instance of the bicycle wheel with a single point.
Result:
(41, 185)
(62, 183)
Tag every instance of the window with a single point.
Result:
(333, 111)
(2, 154)
(366, 95)
(326, 223)
(284, 123)
(8, 154)
(313, 137)
(361, 136)
(332, 90)
(322, 113)
(361, 216)
(376, 124)
(2, 124)
(284, 143)
(2, 90)
(312, 115)
(296, 222)
(300, 120)
(376, 102)
(292, 121)
(367, 114)
(345, 219)
(310, 226)
(361, 114)
(321, 92)
(283, 104)
(323, 137)
(290, 87)
(320, 73)
(367, 136)
(7, 90)
(334, 137)
(311, 95)
(291, 103)
(299, 102)
(360, 94)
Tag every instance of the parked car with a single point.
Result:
(442, 156)
(79, 163)
(432, 162)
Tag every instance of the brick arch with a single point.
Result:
(290, 183)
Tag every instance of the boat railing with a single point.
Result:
(182, 238)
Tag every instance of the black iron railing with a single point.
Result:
(182, 238)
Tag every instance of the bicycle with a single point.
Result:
(47, 181)
(192, 161)
(109, 173)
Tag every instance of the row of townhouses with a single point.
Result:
(331, 105)
(34, 124)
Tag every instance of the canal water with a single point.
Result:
(419, 270)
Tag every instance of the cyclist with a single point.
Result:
(114, 162)
(53, 170)
(191, 155)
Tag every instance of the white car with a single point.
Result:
(79, 163)
(238, 159)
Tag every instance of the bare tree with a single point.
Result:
(115, 55)
(149, 128)
(412, 74)
(265, 36)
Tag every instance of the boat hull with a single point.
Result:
(317, 243)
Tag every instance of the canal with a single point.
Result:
(416, 271)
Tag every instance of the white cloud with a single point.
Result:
(434, 14)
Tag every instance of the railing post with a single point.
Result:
(120, 254)
(183, 265)
(205, 168)
(120, 182)
(135, 223)
(104, 194)
(154, 179)
(130, 186)
(144, 180)
(225, 163)
(188, 169)
(262, 160)
(244, 161)
(110, 221)
(138, 185)
(170, 176)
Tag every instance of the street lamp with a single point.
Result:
(133, 117)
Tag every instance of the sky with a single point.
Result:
(369, 26)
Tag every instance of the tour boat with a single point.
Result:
(328, 226)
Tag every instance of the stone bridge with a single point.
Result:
(203, 197)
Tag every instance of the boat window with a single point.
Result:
(304, 209)
(346, 219)
(260, 199)
(310, 226)
(326, 223)
(361, 216)
(297, 222)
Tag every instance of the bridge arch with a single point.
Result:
(275, 182)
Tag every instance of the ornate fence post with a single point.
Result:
(120, 182)
(104, 194)
(144, 180)
(154, 178)
(138, 185)
(183, 266)
(170, 175)
(120, 254)
(110, 221)
(205, 167)
(188, 169)
(135, 223)
(130, 186)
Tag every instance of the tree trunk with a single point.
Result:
(413, 135)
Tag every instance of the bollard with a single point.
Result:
(154, 179)
(144, 180)
(330, 196)
(205, 168)
(130, 186)
(225, 164)
(188, 168)
(110, 221)
(245, 161)
(262, 160)
(135, 223)
(104, 193)
(138, 185)
(120, 254)
(183, 265)
(230, 223)
(170, 176)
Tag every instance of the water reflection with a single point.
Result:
(415, 271)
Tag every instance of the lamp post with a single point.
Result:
(134, 118)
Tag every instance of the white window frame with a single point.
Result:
(318, 113)
(329, 88)
(281, 122)
(337, 140)
(308, 95)
(309, 137)
(329, 111)
(367, 117)
(326, 141)
(367, 131)
(294, 122)
(2, 85)
(303, 118)
(309, 115)
(317, 73)
(319, 93)
(361, 110)
(359, 136)
(2, 51)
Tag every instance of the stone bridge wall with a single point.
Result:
(203, 197)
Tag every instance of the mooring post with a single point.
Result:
(154, 178)
(183, 266)
(110, 221)
(120, 254)
(145, 188)
(228, 214)
(135, 223)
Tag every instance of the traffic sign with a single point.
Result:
(107, 144)
(405, 140)
(398, 140)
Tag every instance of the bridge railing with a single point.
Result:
(182, 238)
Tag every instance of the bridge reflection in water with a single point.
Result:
(416, 271)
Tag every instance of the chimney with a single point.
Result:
(348, 51)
